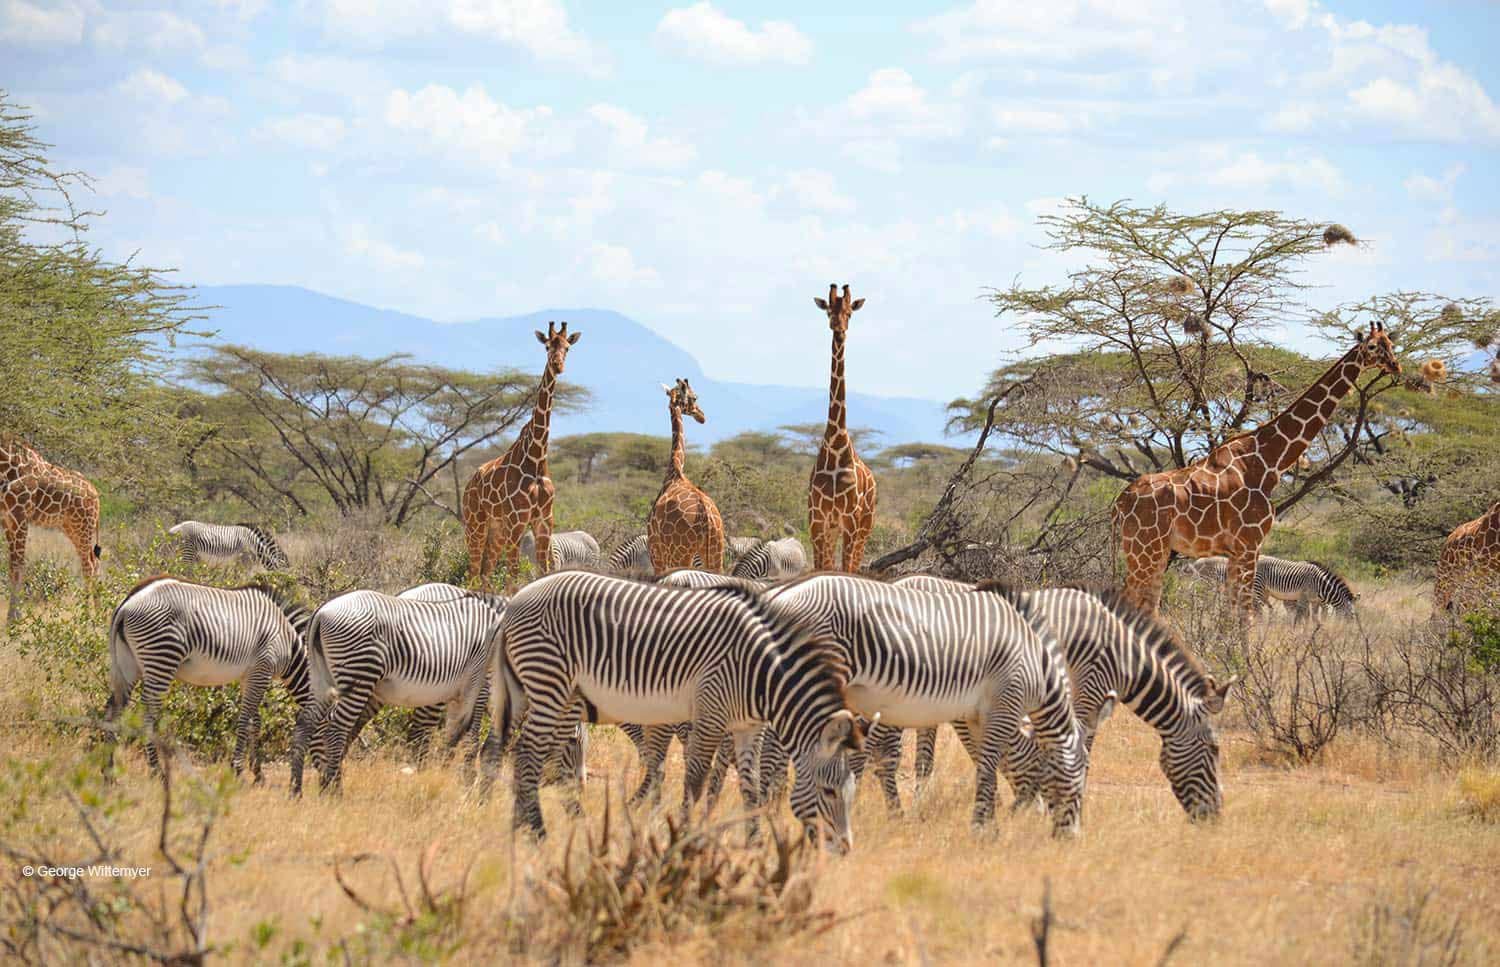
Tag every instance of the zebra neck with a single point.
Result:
(1153, 695)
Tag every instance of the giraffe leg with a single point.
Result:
(541, 529)
(1145, 574)
(864, 522)
(476, 537)
(1239, 580)
(15, 534)
(713, 550)
(83, 534)
(824, 542)
(510, 553)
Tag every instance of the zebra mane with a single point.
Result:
(1158, 636)
(146, 582)
(260, 532)
(1334, 576)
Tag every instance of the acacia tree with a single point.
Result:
(367, 434)
(83, 337)
(1169, 342)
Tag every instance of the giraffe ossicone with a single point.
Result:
(513, 492)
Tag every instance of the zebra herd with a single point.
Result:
(759, 669)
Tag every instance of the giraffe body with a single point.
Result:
(1468, 570)
(1221, 505)
(513, 492)
(684, 523)
(841, 494)
(34, 492)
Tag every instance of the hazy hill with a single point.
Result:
(621, 361)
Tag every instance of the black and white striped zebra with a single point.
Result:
(1303, 585)
(168, 630)
(632, 558)
(365, 647)
(772, 561)
(228, 543)
(637, 652)
(918, 659)
(569, 549)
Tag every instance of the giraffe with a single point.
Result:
(513, 492)
(33, 491)
(1468, 569)
(841, 493)
(1221, 504)
(684, 521)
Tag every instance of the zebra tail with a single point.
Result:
(505, 697)
(318, 671)
(124, 669)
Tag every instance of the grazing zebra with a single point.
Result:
(365, 646)
(919, 658)
(167, 629)
(225, 543)
(569, 549)
(637, 652)
(632, 558)
(1303, 585)
(772, 561)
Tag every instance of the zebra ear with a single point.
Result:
(1214, 700)
(843, 731)
(1105, 710)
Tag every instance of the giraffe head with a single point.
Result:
(682, 399)
(557, 342)
(1376, 349)
(838, 307)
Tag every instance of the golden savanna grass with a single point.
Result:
(1297, 870)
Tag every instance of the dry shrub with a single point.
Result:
(428, 926)
(627, 887)
(1479, 794)
(1299, 693)
(1407, 932)
(1442, 683)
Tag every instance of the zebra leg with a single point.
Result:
(708, 733)
(884, 744)
(722, 759)
(774, 762)
(746, 754)
(538, 732)
(153, 687)
(309, 717)
(651, 744)
(926, 756)
(247, 730)
(339, 728)
(424, 721)
(995, 732)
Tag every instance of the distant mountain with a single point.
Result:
(619, 360)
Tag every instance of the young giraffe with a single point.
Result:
(33, 491)
(684, 521)
(841, 493)
(513, 492)
(1468, 569)
(1221, 504)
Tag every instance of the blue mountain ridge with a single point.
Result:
(620, 361)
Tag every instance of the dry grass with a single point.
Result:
(1301, 864)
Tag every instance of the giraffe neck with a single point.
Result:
(541, 418)
(837, 412)
(1282, 442)
(679, 448)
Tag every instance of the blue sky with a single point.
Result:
(708, 168)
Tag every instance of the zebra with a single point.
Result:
(223, 543)
(1118, 654)
(167, 629)
(1303, 585)
(919, 658)
(569, 549)
(632, 558)
(737, 547)
(365, 647)
(772, 560)
(638, 652)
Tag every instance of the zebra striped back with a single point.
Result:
(633, 558)
(1304, 584)
(569, 549)
(772, 561)
(222, 543)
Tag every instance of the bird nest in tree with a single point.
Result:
(1338, 234)
(1495, 370)
(1418, 384)
(1452, 314)
(1434, 371)
(1193, 325)
(1179, 285)
(1484, 340)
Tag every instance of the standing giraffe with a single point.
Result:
(1468, 570)
(841, 493)
(684, 521)
(33, 491)
(1221, 504)
(513, 492)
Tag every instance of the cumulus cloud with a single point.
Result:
(616, 265)
(892, 102)
(1440, 189)
(1037, 121)
(539, 27)
(630, 143)
(816, 191)
(40, 24)
(471, 124)
(311, 132)
(704, 32)
(1247, 172)
(159, 31)
(361, 243)
(152, 86)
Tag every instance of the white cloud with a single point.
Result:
(631, 145)
(159, 31)
(153, 87)
(877, 154)
(540, 27)
(1427, 188)
(993, 222)
(123, 181)
(242, 10)
(473, 125)
(1245, 172)
(1292, 13)
(1035, 121)
(381, 254)
(893, 103)
(40, 25)
(1441, 103)
(1293, 119)
(616, 265)
(312, 132)
(706, 33)
(816, 191)
(1072, 31)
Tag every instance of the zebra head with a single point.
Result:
(1190, 754)
(823, 791)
